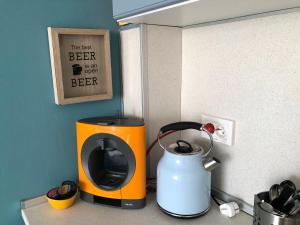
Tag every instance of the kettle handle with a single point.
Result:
(184, 126)
(181, 126)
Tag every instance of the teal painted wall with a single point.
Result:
(37, 137)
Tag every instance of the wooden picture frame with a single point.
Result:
(81, 66)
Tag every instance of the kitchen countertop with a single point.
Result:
(83, 213)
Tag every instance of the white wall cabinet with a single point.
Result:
(190, 12)
(122, 9)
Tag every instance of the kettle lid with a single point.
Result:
(182, 147)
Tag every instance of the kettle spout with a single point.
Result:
(211, 164)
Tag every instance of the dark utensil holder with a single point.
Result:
(262, 217)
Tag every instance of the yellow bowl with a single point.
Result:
(62, 204)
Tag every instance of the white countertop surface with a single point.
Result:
(83, 213)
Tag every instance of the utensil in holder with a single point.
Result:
(263, 216)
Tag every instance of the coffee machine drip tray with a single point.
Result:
(107, 161)
(112, 179)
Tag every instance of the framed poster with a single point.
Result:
(81, 67)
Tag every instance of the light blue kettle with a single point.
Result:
(184, 174)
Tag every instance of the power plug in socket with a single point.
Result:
(224, 129)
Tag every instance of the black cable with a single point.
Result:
(216, 201)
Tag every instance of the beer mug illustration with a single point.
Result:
(77, 69)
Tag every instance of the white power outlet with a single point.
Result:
(224, 129)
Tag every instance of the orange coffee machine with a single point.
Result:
(112, 161)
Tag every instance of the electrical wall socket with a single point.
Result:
(224, 129)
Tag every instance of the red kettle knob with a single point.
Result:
(209, 127)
